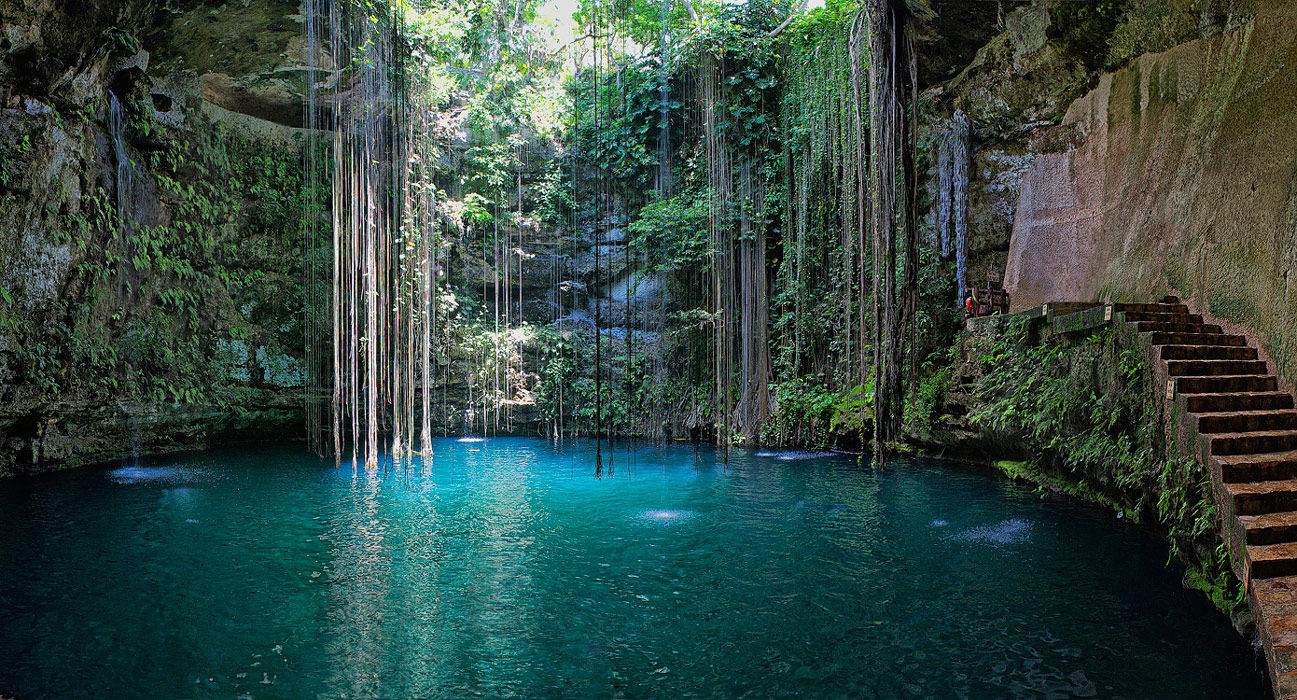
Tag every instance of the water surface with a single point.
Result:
(502, 568)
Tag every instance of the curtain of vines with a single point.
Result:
(807, 146)
(848, 280)
(823, 276)
(893, 103)
(371, 352)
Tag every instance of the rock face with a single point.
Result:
(151, 215)
(1178, 174)
(1020, 85)
(1013, 90)
(148, 297)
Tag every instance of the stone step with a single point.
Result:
(1162, 317)
(1271, 466)
(1270, 528)
(1260, 442)
(1161, 327)
(1162, 338)
(1239, 401)
(1149, 309)
(1261, 497)
(1169, 299)
(1270, 560)
(1226, 384)
(1205, 352)
(1246, 421)
(1275, 606)
(1214, 368)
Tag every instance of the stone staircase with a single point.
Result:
(1246, 429)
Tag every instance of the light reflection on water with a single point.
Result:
(168, 474)
(667, 516)
(796, 455)
(1010, 532)
(503, 568)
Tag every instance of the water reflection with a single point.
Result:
(504, 569)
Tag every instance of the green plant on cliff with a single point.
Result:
(558, 372)
(554, 200)
(672, 233)
(811, 414)
(925, 404)
(123, 40)
(217, 230)
(1085, 415)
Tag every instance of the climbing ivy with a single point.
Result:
(1084, 412)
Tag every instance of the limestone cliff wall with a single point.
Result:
(149, 241)
(1177, 175)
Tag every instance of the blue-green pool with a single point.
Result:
(503, 569)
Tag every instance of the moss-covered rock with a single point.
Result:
(152, 295)
(1020, 85)
(1078, 415)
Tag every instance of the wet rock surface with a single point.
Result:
(112, 317)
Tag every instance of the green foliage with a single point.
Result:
(558, 372)
(475, 210)
(641, 20)
(1053, 395)
(39, 365)
(122, 40)
(1080, 26)
(489, 166)
(672, 234)
(809, 30)
(10, 155)
(926, 402)
(620, 120)
(851, 409)
(623, 399)
(1149, 27)
(554, 199)
(152, 297)
(811, 414)
(153, 349)
(1088, 410)
(499, 375)
(822, 311)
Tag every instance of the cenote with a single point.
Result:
(719, 285)
(502, 568)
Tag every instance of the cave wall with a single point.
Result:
(180, 329)
(184, 328)
(1105, 138)
(1179, 178)
(1042, 57)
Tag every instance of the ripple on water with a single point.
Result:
(1009, 532)
(471, 439)
(796, 455)
(160, 475)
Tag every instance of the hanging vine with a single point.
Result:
(745, 187)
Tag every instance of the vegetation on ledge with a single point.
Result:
(1082, 419)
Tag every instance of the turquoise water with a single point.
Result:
(503, 569)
